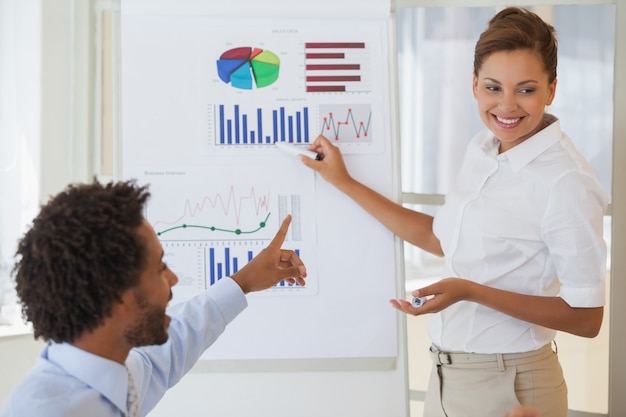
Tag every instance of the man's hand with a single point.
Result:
(272, 265)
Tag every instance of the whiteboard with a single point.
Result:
(207, 88)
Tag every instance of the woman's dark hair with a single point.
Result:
(80, 254)
(514, 29)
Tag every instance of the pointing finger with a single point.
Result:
(279, 238)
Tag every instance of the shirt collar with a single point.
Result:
(107, 377)
(521, 155)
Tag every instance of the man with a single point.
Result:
(91, 279)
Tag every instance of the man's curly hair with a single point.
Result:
(80, 254)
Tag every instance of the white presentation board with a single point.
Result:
(207, 89)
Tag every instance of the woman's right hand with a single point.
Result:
(331, 165)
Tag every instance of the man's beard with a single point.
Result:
(149, 327)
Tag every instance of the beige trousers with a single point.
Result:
(480, 385)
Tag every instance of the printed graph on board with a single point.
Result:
(254, 126)
(337, 67)
(211, 235)
(346, 123)
(237, 210)
(247, 67)
(241, 124)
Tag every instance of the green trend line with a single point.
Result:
(217, 229)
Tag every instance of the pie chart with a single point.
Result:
(246, 67)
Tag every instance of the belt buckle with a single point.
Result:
(443, 358)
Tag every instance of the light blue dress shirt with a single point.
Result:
(70, 382)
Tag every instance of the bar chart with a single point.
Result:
(224, 261)
(201, 264)
(240, 125)
(337, 67)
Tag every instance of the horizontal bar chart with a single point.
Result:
(333, 67)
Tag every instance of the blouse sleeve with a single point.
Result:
(573, 232)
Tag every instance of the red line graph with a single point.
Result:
(228, 205)
(332, 126)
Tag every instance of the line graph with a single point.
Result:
(218, 229)
(346, 123)
(211, 221)
(237, 211)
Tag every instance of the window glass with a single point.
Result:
(19, 136)
(437, 109)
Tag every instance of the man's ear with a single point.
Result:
(122, 307)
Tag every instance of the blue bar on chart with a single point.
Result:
(218, 269)
(230, 264)
(285, 127)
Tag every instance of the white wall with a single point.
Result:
(63, 127)
(18, 355)
(66, 115)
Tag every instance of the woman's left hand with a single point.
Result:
(439, 296)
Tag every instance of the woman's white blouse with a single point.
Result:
(529, 220)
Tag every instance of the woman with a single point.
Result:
(521, 232)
